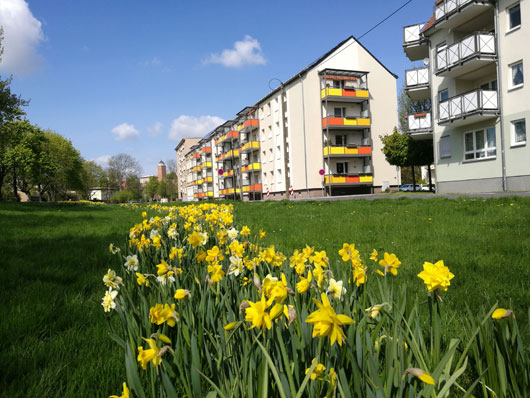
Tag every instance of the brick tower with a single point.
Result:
(161, 170)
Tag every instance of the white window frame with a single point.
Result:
(510, 77)
(511, 29)
(512, 124)
(475, 152)
(445, 147)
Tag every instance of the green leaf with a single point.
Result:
(273, 369)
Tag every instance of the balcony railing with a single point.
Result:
(233, 153)
(256, 166)
(250, 146)
(348, 179)
(419, 122)
(416, 78)
(346, 122)
(345, 94)
(248, 125)
(474, 102)
(456, 12)
(412, 34)
(206, 164)
(252, 188)
(347, 150)
(228, 136)
(229, 191)
(478, 45)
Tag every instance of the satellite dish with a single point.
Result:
(426, 61)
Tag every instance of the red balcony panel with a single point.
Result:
(364, 150)
(352, 179)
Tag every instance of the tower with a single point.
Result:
(161, 171)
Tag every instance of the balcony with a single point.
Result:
(233, 153)
(248, 125)
(419, 125)
(417, 85)
(344, 94)
(249, 147)
(346, 122)
(206, 149)
(415, 45)
(201, 180)
(200, 195)
(206, 165)
(231, 135)
(252, 188)
(251, 167)
(449, 14)
(348, 179)
(467, 108)
(467, 56)
(227, 173)
(347, 151)
(195, 169)
(229, 191)
(196, 155)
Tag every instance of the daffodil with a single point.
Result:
(150, 355)
(163, 313)
(501, 313)
(320, 258)
(141, 279)
(421, 375)
(436, 276)
(304, 284)
(336, 289)
(257, 313)
(181, 294)
(374, 310)
(131, 263)
(110, 279)
(262, 234)
(348, 252)
(113, 249)
(326, 322)
(232, 233)
(391, 263)
(217, 272)
(197, 239)
(125, 392)
(318, 371)
(236, 266)
(108, 302)
(374, 255)
(245, 231)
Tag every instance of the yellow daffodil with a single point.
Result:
(326, 322)
(161, 313)
(217, 272)
(141, 279)
(308, 253)
(197, 239)
(144, 214)
(420, 374)
(318, 371)
(214, 255)
(257, 313)
(374, 255)
(320, 258)
(318, 273)
(359, 275)
(113, 249)
(156, 241)
(230, 326)
(436, 276)
(501, 313)
(391, 263)
(181, 294)
(150, 355)
(245, 231)
(304, 284)
(237, 249)
(125, 392)
(262, 234)
(348, 252)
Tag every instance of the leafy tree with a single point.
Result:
(122, 166)
(162, 188)
(151, 188)
(93, 175)
(171, 185)
(396, 148)
(134, 187)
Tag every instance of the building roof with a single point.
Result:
(183, 141)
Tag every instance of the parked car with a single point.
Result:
(409, 188)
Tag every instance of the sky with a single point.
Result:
(135, 77)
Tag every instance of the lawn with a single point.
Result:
(54, 335)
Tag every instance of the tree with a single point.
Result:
(122, 166)
(396, 148)
(171, 185)
(134, 187)
(162, 188)
(151, 188)
(171, 166)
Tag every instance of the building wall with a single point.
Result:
(183, 164)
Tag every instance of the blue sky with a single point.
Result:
(136, 76)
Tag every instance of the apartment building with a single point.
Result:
(317, 134)
(182, 149)
(474, 60)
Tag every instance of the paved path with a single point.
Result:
(416, 196)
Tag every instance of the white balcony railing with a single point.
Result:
(411, 34)
(476, 44)
(417, 77)
(465, 104)
(446, 7)
(419, 121)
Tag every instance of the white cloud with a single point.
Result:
(245, 52)
(102, 160)
(190, 126)
(125, 132)
(155, 129)
(22, 35)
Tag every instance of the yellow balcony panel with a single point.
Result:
(348, 179)
(345, 95)
(347, 151)
(250, 146)
(251, 167)
(206, 164)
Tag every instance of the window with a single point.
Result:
(337, 84)
(516, 75)
(514, 17)
(339, 112)
(269, 128)
(445, 147)
(278, 153)
(340, 140)
(489, 85)
(480, 144)
(443, 95)
(342, 167)
(279, 176)
(518, 132)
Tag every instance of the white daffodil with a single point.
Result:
(108, 302)
(336, 289)
(132, 263)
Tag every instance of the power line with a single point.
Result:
(373, 27)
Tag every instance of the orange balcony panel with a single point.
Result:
(332, 121)
(251, 123)
(196, 155)
(206, 149)
(365, 150)
(350, 180)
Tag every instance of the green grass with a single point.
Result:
(54, 334)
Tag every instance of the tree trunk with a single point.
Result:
(413, 180)
(15, 191)
(430, 179)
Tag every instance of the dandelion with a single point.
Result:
(131, 263)
(113, 249)
(391, 263)
(436, 276)
(125, 392)
(326, 322)
(108, 302)
(110, 279)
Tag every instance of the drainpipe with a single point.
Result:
(285, 153)
(499, 97)
(305, 144)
